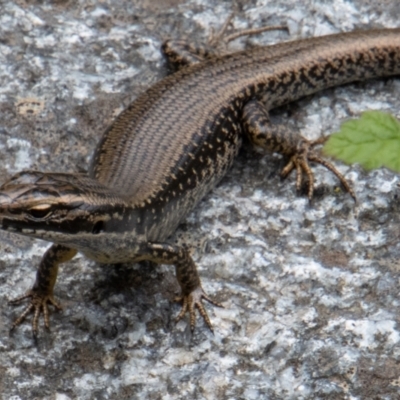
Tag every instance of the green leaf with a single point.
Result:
(373, 141)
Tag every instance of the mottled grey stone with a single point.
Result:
(310, 291)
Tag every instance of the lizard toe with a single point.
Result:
(192, 301)
(38, 304)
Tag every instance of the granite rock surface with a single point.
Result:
(310, 292)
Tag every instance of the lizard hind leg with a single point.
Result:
(283, 140)
(182, 53)
(221, 38)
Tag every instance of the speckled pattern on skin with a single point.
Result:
(310, 293)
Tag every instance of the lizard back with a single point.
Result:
(178, 139)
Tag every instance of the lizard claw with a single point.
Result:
(300, 162)
(38, 304)
(192, 301)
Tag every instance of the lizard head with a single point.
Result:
(51, 206)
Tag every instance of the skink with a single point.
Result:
(171, 146)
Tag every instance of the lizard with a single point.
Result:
(171, 146)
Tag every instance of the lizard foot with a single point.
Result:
(300, 162)
(192, 301)
(38, 304)
(221, 37)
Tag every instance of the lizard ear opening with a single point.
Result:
(98, 227)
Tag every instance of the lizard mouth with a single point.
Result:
(12, 225)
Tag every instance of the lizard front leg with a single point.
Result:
(192, 293)
(42, 291)
(283, 140)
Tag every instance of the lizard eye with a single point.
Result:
(41, 211)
